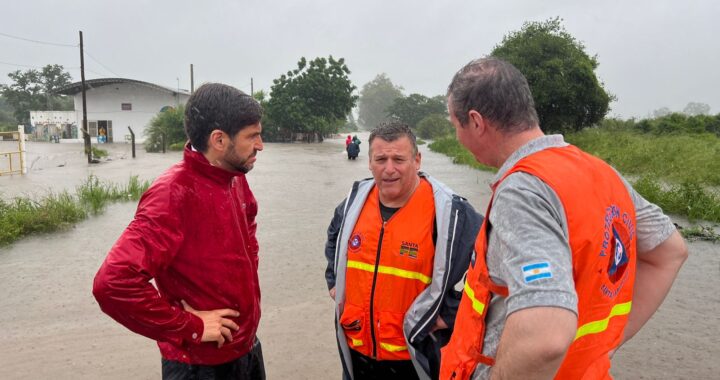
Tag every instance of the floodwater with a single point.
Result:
(52, 327)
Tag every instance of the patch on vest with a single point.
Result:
(618, 262)
(619, 229)
(537, 271)
(409, 249)
(355, 242)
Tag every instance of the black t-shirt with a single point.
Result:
(387, 212)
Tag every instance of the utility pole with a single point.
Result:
(86, 134)
(192, 79)
(252, 92)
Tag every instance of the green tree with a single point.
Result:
(315, 98)
(434, 126)
(415, 107)
(35, 90)
(7, 120)
(260, 96)
(170, 123)
(375, 98)
(568, 95)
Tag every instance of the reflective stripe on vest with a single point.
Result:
(478, 306)
(357, 342)
(601, 227)
(389, 263)
(595, 327)
(392, 347)
(391, 271)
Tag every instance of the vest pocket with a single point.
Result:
(353, 324)
(391, 339)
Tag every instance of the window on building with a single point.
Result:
(127, 106)
(92, 128)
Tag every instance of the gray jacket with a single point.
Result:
(457, 227)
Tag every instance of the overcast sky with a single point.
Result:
(652, 53)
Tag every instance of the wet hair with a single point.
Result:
(218, 106)
(495, 89)
(391, 131)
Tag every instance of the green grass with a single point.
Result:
(700, 233)
(451, 147)
(94, 195)
(98, 153)
(677, 172)
(670, 158)
(23, 216)
(688, 198)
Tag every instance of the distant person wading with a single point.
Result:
(352, 147)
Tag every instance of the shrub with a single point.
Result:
(169, 123)
(99, 153)
(434, 126)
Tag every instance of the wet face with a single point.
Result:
(394, 166)
(240, 153)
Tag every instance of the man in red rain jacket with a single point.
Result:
(194, 234)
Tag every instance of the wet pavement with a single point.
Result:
(52, 327)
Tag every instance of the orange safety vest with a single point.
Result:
(601, 226)
(388, 265)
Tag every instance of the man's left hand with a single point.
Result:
(439, 324)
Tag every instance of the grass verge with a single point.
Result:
(675, 158)
(451, 147)
(23, 216)
(688, 164)
(699, 233)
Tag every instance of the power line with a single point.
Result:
(36, 41)
(54, 44)
(99, 63)
(37, 67)
(19, 65)
(86, 69)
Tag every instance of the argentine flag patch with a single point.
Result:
(534, 272)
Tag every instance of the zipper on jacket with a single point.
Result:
(235, 206)
(372, 293)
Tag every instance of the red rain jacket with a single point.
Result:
(194, 234)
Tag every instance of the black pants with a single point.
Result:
(247, 367)
(365, 368)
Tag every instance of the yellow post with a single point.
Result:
(21, 148)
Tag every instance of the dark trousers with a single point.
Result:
(365, 368)
(247, 367)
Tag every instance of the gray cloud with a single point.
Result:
(651, 53)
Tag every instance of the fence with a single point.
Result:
(15, 158)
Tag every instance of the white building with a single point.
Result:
(114, 104)
(47, 124)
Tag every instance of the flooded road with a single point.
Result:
(52, 327)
